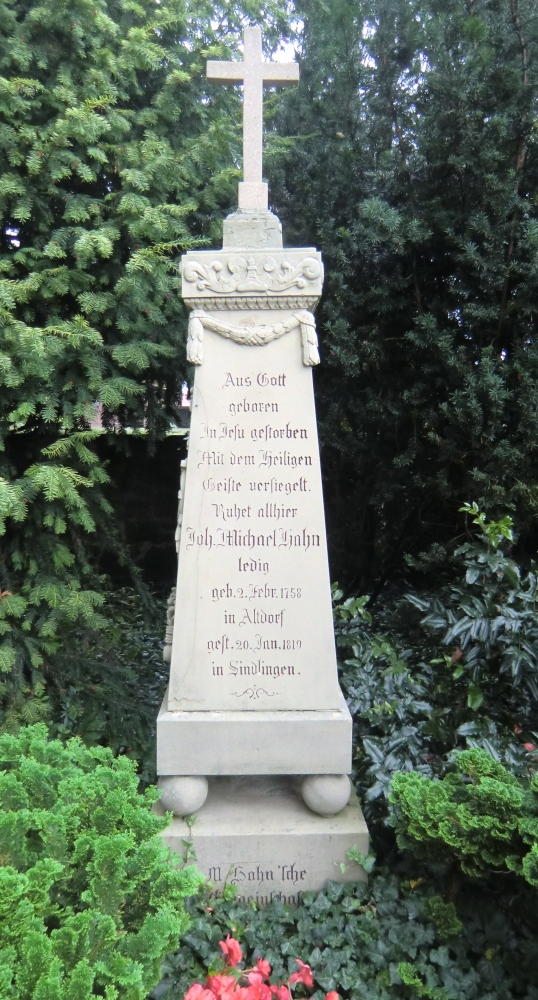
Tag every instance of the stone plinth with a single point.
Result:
(257, 834)
(252, 230)
(231, 743)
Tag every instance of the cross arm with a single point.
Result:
(225, 72)
(281, 73)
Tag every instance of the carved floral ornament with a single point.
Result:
(252, 334)
(246, 274)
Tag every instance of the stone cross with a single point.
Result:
(253, 73)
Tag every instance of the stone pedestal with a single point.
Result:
(257, 834)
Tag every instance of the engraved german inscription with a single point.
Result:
(253, 547)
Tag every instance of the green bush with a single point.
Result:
(479, 815)
(115, 156)
(89, 901)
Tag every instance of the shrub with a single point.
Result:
(89, 901)
(452, 668)
(479, 815)
(107, 684)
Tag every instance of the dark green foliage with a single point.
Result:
(462, 674)
(114, 156)
(491, 621)
(366, 941)
(443, 916)
(107, 685)
(416, 173)
(89, 900)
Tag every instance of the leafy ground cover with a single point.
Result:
(393, 937)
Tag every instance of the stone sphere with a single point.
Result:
(326, 794)
(182, 795)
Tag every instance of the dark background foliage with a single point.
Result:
(115, 155)
(415, 171)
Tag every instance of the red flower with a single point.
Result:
(231, 993)
(242, 993)
(231, 949)
(263, 967)
(333, 995)
(255, 978)
(257, 989)
(529, 746)
(220, 984)
(303, 976)
(198, 992)
(281, 992)
(517, 729)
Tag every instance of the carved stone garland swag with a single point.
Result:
(252, 334)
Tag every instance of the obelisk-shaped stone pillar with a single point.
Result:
(254, 711)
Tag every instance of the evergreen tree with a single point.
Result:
(114, 157)
(415, 171)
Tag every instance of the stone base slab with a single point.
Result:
(227, 743)
(258, 835)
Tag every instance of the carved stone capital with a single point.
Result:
(252, 275)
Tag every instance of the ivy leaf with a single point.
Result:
(475, 697)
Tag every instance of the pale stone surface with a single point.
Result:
(253, 625)
(247, 742)
(182, 795)
(326, 794)
(257, 834)
(252, 197)
(252, 333)
(220, 279)
(251, 229)
(168, 636)
(253, 72)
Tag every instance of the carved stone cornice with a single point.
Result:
(257, 278)
(256, 302)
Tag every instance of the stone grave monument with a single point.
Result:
(254, 736)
